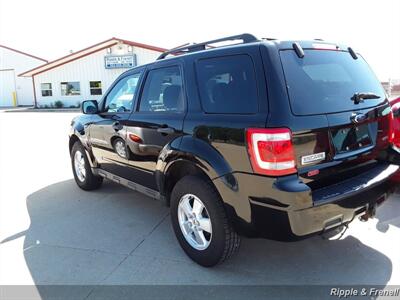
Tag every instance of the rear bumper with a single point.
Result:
(330, 215)
(287, 209)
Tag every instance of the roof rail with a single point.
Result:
(245, 37)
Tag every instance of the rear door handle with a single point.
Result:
(166, 130)
(117, 126)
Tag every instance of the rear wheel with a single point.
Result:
(200, 222)
(83, 174)
(120, 148)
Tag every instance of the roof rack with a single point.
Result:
(245, 37)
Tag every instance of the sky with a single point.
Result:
(51, 28)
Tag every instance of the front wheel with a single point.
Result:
(200, 222)
(83, 174)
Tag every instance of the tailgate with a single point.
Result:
(342, 134)
(342, 149)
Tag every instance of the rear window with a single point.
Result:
(227, 85)
(324, 81)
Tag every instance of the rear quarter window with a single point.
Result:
(227, 85)
(325, 81)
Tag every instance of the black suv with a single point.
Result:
(278, 139)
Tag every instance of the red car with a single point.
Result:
(396, 127)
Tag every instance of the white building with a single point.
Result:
(86, 74)
(16, 90)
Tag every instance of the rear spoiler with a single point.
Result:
(321, 46)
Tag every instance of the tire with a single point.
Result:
(120, 147)
(215, 247)
(84, 176)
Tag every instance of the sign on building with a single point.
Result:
(120, 61)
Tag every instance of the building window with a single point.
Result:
(70, 88)
(46, 89)
(95, 88)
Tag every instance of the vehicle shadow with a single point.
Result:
(388, 214)
(79, 238)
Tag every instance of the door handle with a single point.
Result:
(117, 126)
(166, 130)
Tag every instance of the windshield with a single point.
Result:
(325, 81)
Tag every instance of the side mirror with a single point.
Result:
(90, 107)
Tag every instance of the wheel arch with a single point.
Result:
(175, 172)
(191, 156)
(115, 137)
(75, 139)
(72, 140)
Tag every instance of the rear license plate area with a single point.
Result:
(351, 138)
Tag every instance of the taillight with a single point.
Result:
(135, 138)
(271, 151)
(395, 123)
(391, 127)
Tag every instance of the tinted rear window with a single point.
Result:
(324, 81)
(227, 85)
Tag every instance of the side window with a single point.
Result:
(227, 85)
(163, 91)
(120, 98)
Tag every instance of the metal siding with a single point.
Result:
(19, 62)
(7, 88)
(84, 70)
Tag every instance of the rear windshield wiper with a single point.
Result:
(360, 97)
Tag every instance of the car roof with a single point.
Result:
(269, 43)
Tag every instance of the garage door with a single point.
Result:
(7, 87)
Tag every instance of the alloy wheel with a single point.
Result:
(195, 222)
